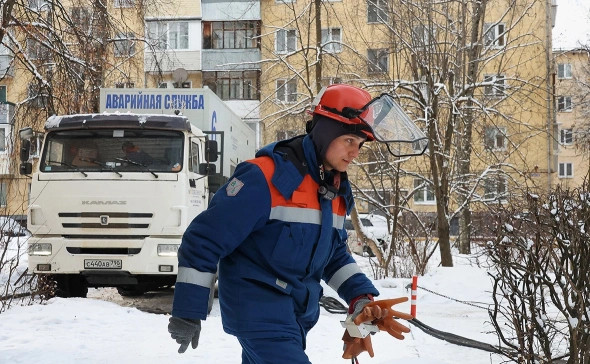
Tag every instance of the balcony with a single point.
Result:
(231, 59)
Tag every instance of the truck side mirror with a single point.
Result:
(25, 133)
(207, 169)
(25, 148)
(26, 168)
(210, 151)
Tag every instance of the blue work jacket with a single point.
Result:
(273, 239)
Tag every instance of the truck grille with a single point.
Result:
(104, 220)
(114, 251)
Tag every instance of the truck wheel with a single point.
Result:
(70, 285)
(131, 291)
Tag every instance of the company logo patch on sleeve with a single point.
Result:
(234, 186)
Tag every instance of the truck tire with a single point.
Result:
(70, 285)
(132, 291)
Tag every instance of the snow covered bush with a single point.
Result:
(541, 256)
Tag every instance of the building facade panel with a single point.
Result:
(231, 10)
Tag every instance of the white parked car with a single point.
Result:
(374, 226)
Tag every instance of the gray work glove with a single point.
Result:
(184, 331)
(358, 307)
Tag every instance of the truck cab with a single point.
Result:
(111, 196)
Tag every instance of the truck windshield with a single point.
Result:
(118, 150)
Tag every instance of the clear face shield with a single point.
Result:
(391, 125)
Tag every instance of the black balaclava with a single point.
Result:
(324, 130)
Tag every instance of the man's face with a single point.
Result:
(342, 151)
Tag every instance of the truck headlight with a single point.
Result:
(168, 250)
(40, 249)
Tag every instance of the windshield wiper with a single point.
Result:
(69, 165)
(127, 160)
(110, 168)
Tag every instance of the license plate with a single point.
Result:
(103, 264)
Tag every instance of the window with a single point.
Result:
(178, 35)
(421, 35)
(378, 60)
(36, 142)
(72, 150)
(287, 91)
(81, 17)
(37, 51)
(286, 40)
(566, 170)
(377, 11)
(167, 35)
(495, 138)
(194, 159)
(185, 84)
(287, 134)
(38, 4)
(564, 103)
(566, 136)
(331, 39)
(564, 70)
(231, 34)
(233, 85)
(37, 95)
(3, 194)
(124, 85)
(123, 3)
(124, 45)
(3, 135)
(424, 192)
(494, 35)
(495, 188)
(494, 85)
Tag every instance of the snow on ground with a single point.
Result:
(77, 330)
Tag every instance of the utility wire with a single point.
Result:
(332, 305)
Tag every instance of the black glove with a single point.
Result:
(184, 331)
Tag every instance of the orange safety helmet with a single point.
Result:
(343, 102)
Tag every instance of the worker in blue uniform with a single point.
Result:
(272, 233)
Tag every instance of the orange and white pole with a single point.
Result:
(414, 295)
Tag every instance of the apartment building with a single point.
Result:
(267, 59)
(409, 49)
(572, 115)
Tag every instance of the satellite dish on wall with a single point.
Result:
(180, 75)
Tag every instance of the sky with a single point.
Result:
(92, 330)
(572, 24)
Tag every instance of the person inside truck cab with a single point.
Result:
(272, 233)
(135, 154)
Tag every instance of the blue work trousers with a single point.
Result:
(275, 350)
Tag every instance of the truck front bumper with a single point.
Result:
(103, 256)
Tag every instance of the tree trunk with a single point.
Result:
(354, 217)
(444, 243)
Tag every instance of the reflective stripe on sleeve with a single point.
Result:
(193, 276)
(296, 214)
(338, 221)
(342, 275)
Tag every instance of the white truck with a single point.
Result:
(112, 195)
